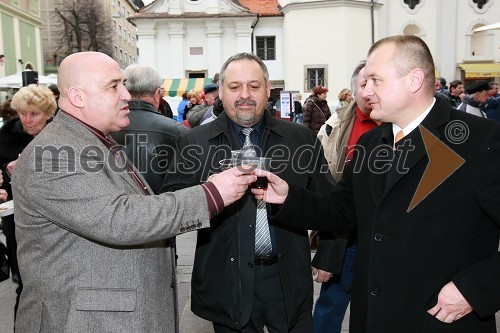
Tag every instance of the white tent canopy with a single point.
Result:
(16, 81)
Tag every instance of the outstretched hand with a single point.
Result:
(277, 188)
(232, 184)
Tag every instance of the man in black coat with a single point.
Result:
(233, 286)
(151, 138)
(427, 216)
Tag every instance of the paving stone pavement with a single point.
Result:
(189, 322)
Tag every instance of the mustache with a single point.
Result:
(245, 102)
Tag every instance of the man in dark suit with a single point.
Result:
(235, 286)
(428, 225)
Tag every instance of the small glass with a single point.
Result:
(262, 163)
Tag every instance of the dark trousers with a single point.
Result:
(9, 230)
(269, 307)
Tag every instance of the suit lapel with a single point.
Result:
(412, 148)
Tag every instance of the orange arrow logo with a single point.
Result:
(443, 162)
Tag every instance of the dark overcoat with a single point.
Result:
(13, 140)
(223, 272)
(405, 256)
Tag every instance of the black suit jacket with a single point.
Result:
(406, 256)
(222, 279)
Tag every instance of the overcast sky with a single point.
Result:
(147, 2)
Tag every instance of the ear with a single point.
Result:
(416, 79)
(268, 89)
(75, 97)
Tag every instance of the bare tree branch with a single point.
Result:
(85, 27)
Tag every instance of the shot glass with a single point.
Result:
(235, 160)
(262, 163)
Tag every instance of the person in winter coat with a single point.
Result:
(477, 95)
(35, 106)
(316, 110)
(428, 258)
(240, 283)
(180, 108)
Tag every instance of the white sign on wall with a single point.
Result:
(286, 102)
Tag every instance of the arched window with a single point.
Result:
(478, 45)
(411, 29)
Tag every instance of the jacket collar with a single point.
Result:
(140, 105)
(439, 115)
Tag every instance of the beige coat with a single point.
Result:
(335, 144)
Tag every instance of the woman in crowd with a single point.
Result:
(194, 99)
(35, 106)
(316, 110)
(345, 98)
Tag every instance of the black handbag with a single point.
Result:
(4, 263)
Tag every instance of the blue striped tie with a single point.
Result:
(262, 236)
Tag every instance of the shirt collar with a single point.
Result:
(414, 124)
(258, 127)
(105, 139)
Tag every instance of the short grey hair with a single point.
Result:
(355, 74)
(142, 80)
(243, 56)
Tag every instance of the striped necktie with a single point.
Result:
(262, 236)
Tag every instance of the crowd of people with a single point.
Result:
(480, 98)
(103, 180)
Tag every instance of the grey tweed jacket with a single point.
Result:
(94, 251)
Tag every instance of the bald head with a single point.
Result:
(92, 87)
(79, 68)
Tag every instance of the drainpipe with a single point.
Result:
(253, 27)
(372, 8)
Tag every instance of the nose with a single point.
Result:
(125, 94)
(367, 90)
(245, 92)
